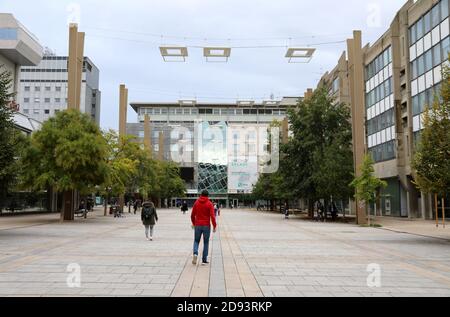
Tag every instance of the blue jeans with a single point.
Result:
(206, 232)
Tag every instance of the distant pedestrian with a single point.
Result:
(149, 218)
(202, 216)
(286, 210)
(135, 206)
(184, 207)
(216, 210)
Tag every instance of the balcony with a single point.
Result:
(17, 43)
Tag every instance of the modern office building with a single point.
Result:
(18, 47)
(402, 74)
(43, 88)
(218, 146)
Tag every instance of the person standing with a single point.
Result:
(201, 217)
(149, 218)
(184, 207)
(216, 210)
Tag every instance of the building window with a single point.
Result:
(26, 111)
(57, 100)
(47, 111)
(35, 111)
(26, 100)
(37, 88)
(141, 134)
(27, 88)
(58, 88)
(56, 111)
(48, 88)
(37, 100)
(47, 100)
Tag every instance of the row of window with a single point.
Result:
(38, 88)
(379, 63)
(381, 122)
(383, 152)
(430, 20)
(432, 58)
(195, 111)
(379, 93)
(426, 98)
(42, 70)
(46, 100)
(38, 111)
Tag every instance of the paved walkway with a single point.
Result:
(253, 254)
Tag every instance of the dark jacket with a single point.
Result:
(203, 213)
(153, 218)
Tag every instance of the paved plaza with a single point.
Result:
(253, 254)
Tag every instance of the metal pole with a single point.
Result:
(436, 208)
(443, 211)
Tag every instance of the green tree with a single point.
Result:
(432, 158)
(169, 181)
(366, 185)
(317, 162)
(121, 165)
(69, 153)
(8, 136)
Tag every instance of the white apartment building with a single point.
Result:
(43, 88)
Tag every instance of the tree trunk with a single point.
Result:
(310, 208)
(67, 213)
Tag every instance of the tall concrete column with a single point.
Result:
(161, 146)
(148, 135)
(356, 80)
(80, 61)
(75, 66)
(123, 101)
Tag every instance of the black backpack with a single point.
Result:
(147, 212)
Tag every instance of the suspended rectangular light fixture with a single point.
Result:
(174, 53)
(300, 55)
(217, 54)
(187, 103)
(245, 103)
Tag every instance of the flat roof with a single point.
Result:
(284, 103)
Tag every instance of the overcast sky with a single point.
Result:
(120, 41)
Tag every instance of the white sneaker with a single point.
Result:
(194, 259)
(151, 238)
(148, 239)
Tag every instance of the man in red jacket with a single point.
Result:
(202, 216)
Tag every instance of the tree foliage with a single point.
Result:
(432, 158)
(11, 140)
(68, 153)
(367, 184)
(318, 161)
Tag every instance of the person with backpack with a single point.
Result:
(184, 207)
(149, 218)
(202, 216)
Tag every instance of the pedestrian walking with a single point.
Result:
(149, 218)
(135, 206)
(184, 207)
(201, 217)
(216, 210)
(286, 210)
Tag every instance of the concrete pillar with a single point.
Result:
(80, 60)
(422, 205)
(148, 135)
(161, 146)
(356, 80)
(75, 66)
(123, 100)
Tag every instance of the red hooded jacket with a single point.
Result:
(203, 213)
